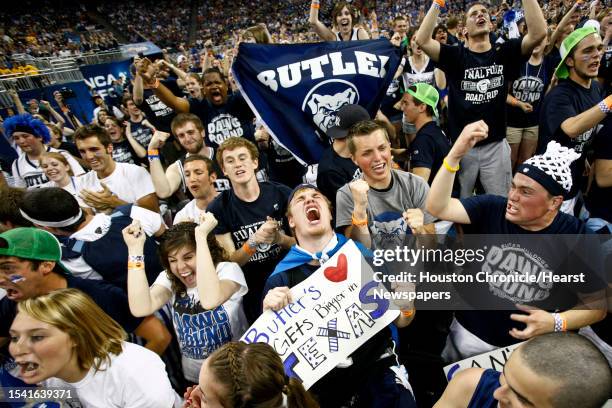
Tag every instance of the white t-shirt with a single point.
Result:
(189, 212)
(136, 378)
(98, 227)
(129, 182)
(28, 174)
(73, 188)
(200, 332)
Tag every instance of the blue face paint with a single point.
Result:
(16, 278)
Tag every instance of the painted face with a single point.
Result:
(310, 214)
(344, 20)
(183, 265)
(215, 88)
(18, 278)
(520, 387)
(587, 57)
(114, 131)
(410, 109)
(211, 389)
(199, 182)
(40, 350)
(528, 202)
(28, 142)
(193, 87)
(238, 165)
(373, 157)
(190, 137)
(95, 154)
(54, 169)
(477, 21)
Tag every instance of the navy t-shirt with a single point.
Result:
(598, 200)
(242, 219)
(109, 297)
(478, 85)
(141, 133)
(529, 87)
(509, 255)
(234, 118)
(334, 172)
(566, 100)
(429, 148)
(124, 153)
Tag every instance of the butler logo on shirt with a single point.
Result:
(296, 89)
(481, 84)
(514, 260)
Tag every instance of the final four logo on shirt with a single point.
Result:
(296, 89)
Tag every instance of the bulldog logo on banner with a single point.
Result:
(296, 89)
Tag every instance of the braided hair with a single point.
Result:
(253, 376)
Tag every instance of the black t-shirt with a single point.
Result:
(234, 118)
(334, 172)
(283, 167)
(124, 153)
(605, 69)
(487, 215)
(566, 100)
(242, 219)
(340, 384)
(109, 297)
(529, 87)
(429, 148)
(159, 114)
(598, 200)
(478, 85)
(141, 133)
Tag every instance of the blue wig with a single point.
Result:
(28, 124)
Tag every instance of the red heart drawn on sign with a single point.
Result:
(337, 273)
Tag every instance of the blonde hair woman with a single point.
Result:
(67, 341)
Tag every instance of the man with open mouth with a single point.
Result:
(573, 110)
(478, 76)
(309, 215)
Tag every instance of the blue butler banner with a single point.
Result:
(297, 89)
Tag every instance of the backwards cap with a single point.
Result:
(568, 45)
(552, 169)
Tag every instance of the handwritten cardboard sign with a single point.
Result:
(495, 359)
(333, 313)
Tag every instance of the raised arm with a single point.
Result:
(142, 299)
(577, 125)
(439, 202)
(138, 148)
(561, 27)
(423, 36)
(536, 26)
(318, 27)
(212, 290)
(165, 183)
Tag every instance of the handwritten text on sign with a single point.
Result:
(327, 320)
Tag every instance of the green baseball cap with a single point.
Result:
(31, 243)
(427, 94)
(568, 45)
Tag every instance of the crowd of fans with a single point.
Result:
(183, 220)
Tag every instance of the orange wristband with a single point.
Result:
(608, 101)
(135, 265)
(248, 249)
(359, 223)
(315, 6)
(440, 3)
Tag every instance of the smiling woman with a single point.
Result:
(205, 291)
(67, 341)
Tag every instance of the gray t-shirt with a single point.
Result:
(385, 222)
